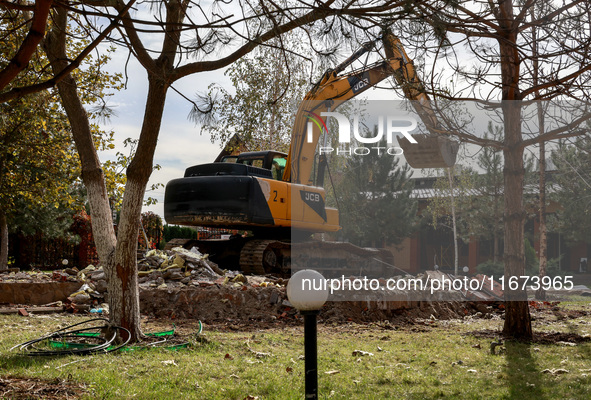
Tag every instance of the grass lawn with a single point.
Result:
(428, 360)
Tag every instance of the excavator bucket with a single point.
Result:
(430, 151)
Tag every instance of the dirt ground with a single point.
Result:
(29, 388)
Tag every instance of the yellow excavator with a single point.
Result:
(272, 194)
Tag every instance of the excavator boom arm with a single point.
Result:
(333, 90)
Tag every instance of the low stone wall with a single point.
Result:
(36, 293)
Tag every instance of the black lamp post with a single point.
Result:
(311, 353)
(303, 296)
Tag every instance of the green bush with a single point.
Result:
(496, 269)
(532, 265)
(179, 232)
(553, 267)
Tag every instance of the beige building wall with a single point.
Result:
(401, 254)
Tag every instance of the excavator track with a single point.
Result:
(275, 257)
(260, 257)
(334, 259)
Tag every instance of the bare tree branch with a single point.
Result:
(29, 45)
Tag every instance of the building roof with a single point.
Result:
(424, 188)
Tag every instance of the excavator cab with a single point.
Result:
(260, 159)
(271, 160)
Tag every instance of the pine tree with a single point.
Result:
(376, 190)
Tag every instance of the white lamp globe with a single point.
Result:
(307, 290)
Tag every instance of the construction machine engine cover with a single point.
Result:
(223, 194)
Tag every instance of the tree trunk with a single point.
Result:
(3, 241)
(517, 316)
(124, 305)
(122, 273)
(541, 293)
(92, 173)
(118, 255)
(453, 218)
(495, 247)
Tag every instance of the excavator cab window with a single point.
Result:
(230, 159)
(270, 160)
(278, 166)
(253, 162)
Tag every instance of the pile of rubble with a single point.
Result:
(163, 269)
(176, 267)
(36, 287)
(182, 283)
(67, 275)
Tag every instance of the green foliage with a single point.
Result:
(46, 219)
(573, 189)
(485, 218)
(553, 267)
(269, 85)
(40, 188)
(37, 169)
(491, 268)
(375, 203)
(179, 232)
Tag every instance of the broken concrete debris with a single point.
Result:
(181, 283)
(163, 269)
(35, 287)
(35, 276)
(176, 265)
(186, 284)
